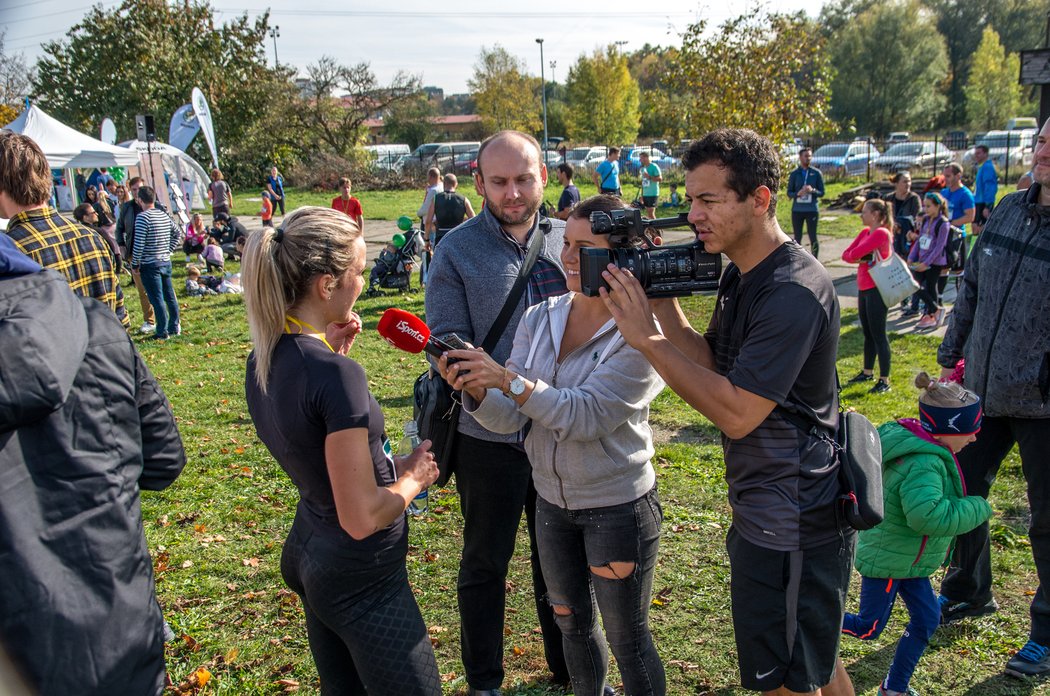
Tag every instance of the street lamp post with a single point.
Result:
(275, 32)
(543, 81)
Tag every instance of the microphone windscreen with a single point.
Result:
(403, 330)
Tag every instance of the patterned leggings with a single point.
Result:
(366, 633)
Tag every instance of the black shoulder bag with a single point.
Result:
(435, 405)
(855, 442)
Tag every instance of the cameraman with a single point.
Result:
(770, 347)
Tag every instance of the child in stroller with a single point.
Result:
(393, 267)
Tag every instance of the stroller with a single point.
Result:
(393, 267)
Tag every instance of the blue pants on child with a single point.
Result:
(877, 596)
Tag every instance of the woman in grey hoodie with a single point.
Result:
(586, 394)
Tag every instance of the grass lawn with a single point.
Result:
(216, 534)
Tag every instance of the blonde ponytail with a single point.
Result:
(277, 267)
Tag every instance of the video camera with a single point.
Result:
(671, 271)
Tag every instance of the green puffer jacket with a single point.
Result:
(925, 507)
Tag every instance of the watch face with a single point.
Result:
(517, 386)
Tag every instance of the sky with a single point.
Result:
(439, 42)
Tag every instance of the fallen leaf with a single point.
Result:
(203, 676)
(187, 564)
(239, 450)
(200, 528)
(253, 562)
(191, 643)
(518, 651)
(231, 655)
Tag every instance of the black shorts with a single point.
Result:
(649, 201)
(787, 611)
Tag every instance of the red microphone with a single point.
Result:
(406, 331)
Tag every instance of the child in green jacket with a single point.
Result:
(926, 507)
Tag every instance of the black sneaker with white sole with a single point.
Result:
(957, 611)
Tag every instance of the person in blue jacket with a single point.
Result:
(805, 187)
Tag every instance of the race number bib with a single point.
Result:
(805, 198)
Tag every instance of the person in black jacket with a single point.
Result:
(126, 241)
(83, 427)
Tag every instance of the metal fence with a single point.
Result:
(869, 160)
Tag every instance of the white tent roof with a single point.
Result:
(67, 148)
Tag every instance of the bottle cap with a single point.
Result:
(411, 428)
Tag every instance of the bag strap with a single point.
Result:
(498, 326)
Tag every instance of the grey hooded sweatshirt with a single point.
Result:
(589, 443)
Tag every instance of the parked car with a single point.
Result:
(1018, 145)
(631, 164)
(845, 159)
(916, 156)
(899, 137)
(465, 163)
(586, 158)
(440, 155)
(387, 155)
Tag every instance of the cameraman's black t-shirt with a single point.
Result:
(313, 392)
(783, 483)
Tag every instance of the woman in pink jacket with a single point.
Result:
(876, 236)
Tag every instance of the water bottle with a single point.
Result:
(409, 443)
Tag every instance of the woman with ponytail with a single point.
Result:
(876, 237)
(345, 553)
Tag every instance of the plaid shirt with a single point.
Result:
(75, 251)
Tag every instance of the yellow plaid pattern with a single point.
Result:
(75, 251)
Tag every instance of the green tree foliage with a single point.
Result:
(340, 98)
(766, 72)
(649, 66)
(960, 23)
(992, 93)
(505, 96)
(891, 63)
(145, 56)
(410, 121)
(603, 99)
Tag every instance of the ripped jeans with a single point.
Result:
(622, 542)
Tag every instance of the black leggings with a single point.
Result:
(873, 324)
(365, 630)
(929, 291)
(810, 219)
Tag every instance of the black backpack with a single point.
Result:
(955, 248)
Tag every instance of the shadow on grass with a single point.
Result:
(867, 672)
(396, 401)
(1003, 684)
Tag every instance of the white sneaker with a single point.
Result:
(146, 328)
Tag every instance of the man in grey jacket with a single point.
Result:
(470, 278)
(1005, 340)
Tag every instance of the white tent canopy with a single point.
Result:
(170, 167)
(67, 148)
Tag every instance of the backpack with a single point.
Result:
(955, 248)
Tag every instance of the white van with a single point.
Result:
(385, 156)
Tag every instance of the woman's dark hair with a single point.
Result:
(749, 159)
(603, 203)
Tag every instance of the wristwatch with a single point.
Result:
(517, 386)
